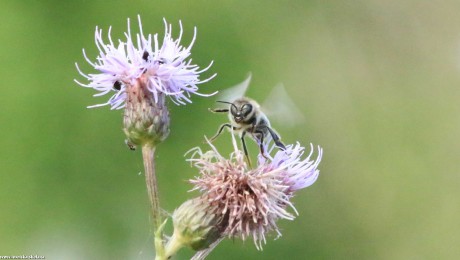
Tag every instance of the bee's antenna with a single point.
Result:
(226, 102)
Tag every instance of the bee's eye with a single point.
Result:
(233, 109)
(117, 85)
(246, 109)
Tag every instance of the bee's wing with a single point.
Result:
(280, 108)
(235, 92)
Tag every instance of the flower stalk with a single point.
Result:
(148, 156)
(148, 153)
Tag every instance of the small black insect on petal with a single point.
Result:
(117, 85)
(145, 56)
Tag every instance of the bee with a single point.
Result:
(246, 118)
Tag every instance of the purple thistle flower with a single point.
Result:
(252, 200)
(142, 73)
(297, 173)
(165, 68)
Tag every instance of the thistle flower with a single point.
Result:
(139, 73)
(251, 201)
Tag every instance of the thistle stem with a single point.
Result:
(148, 153)
(174, 244)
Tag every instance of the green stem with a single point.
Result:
(174, 244)
(148, 155)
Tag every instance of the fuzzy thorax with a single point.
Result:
(146, 121)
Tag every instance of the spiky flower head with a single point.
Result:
(251, 201)
(139, 74)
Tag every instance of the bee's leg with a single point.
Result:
(276, 139)
(261, 143)
(245, 149)
(221, 128)
(222, 110)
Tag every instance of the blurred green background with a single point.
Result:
(377, 81)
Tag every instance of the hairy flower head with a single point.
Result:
(252, 200)
(139, 73)
(167, 69)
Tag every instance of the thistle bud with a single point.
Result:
(146, 121)
(196, 224)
